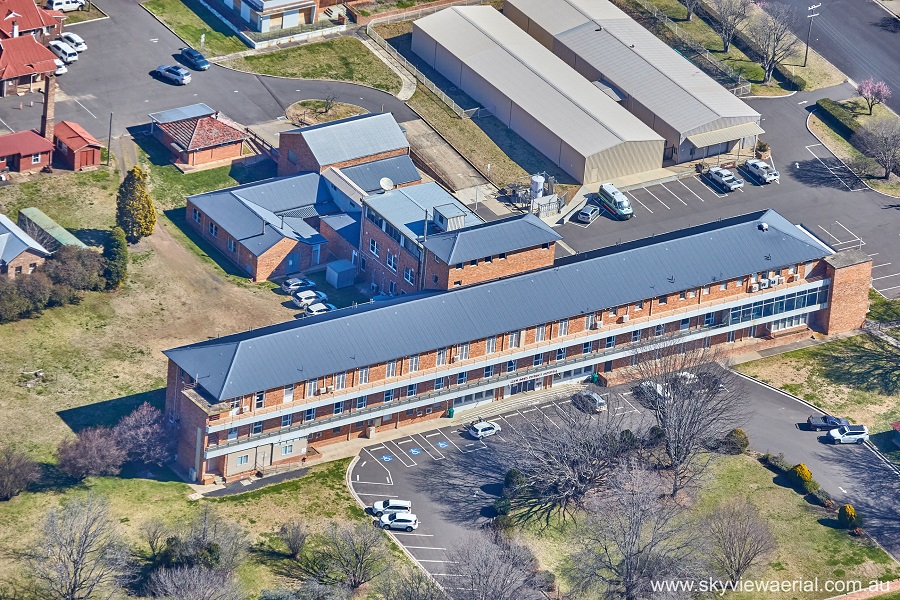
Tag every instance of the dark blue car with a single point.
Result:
(826, 422)
(194, 59)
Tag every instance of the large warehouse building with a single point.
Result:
(696, 116)
(535, 94)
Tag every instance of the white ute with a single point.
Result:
(762, 171)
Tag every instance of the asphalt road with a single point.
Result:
(816, 190)
(859, 37)
(453, 480)
(113, 76)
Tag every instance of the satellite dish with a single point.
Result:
(386, 184)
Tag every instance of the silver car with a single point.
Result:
(403, 520)
(173, 73)
(308, 297)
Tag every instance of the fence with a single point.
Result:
(401, 60)
(741, 87)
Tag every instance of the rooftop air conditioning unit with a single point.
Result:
(754, 287)
(777, 280)
(625, 317)
(454, 359)
(763, 284)
(330, 388)
(245, 409)
(595, 325)
(321, 391)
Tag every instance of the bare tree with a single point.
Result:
(80, 555)
(143, 435)
(730, 16)
(691, 6)
(93, 452)
(772, 33)
(694, 401)
(329, 102)
(346, 555)
(873, 92)
(492, 567)
(17, 472)
(313, 590)
(410, 583)
(155, 533)
(194, 583)
(561, 463)
(208, 541)
(631, 539)
(294, 536)
(880, 139)
(738, 539)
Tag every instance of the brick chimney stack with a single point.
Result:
(49, 107)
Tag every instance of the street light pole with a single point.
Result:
(809, 30)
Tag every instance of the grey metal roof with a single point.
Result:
(491, 238)
(346, 225)
(184, 112)
(639, 63)
(247, 362)
(405, 208)
(59, 233)
(14, 241)
(399, 169)
(354, 137)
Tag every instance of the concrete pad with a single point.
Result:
(440, 159)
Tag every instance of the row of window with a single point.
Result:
(486, 259)
(213, 229)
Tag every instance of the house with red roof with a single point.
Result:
(25, 151)
(75, 146)
(20, 17)
(196, 134)
(23, 63)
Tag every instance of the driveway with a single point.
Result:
(453, 480)
(816, 190)
(113, 76)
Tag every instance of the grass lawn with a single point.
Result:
(341, 59)
(80, 16)
(312, 112)
(189, 20)
(857, 378)
(881, 309)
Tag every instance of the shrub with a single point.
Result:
(761, 146)
(135, 213)
(35, 290)
(777, 462)
(797, 82)
(12, 304)
(17, 472)
(79, 268)
(142, 435)
(115, 251)
(94, 452)
(736, 441)
(856, 531)
(801, 474)
(840, 119)
(656, 435)
(810, 486)
(513, 483)
(847, 516)
(502, 506)
(823, 497)
(545, 581)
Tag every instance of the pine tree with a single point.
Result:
(135, 213)
(115, 251)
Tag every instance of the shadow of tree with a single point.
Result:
(92, 237)
(109, 412)
(889, 24)
(814, 173)
(863, 362)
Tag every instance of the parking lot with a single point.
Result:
(453, 480)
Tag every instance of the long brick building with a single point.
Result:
(250, 401)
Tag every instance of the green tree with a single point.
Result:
(115, 251)
(135, 213)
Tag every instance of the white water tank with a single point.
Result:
(537, 186)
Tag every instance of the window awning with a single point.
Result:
(728, 134)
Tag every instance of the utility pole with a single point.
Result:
(109, 141)
(809, 30)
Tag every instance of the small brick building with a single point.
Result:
(25, 17)
(197, 134)
(20, 254)
(75, 146)
(24, 151)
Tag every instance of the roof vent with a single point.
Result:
(763, 226)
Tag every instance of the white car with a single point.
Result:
(60, 67)
(298, 284)
(482, 429)
(762, 171)
(725, 178)
(392, 505)
(402, 520)
(173, 73)
(74, 40)
(319, 308)
(308, 297)
(64, 51)
(849, 434)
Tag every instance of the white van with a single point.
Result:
(65, 5)
(64, 51)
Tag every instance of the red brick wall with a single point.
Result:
(376, 268)
(515, 262)
(23, 164)
(294, 142)
(199, 157)
(848, 302)
(188, 417)
(338, 247)
(27, 261)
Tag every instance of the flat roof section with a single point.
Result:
(185, 112)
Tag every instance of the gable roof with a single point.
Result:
(27, 14)
(491, 238)
(197, 133)
(368, 176)
(247, 362)
(23, 55)
(59, 235)
(74, 136)
(14, 241)
(24, 143)
(405, 208)
(351, 138)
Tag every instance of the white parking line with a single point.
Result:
(418, 534)
(401, 455)
(657, 197)
(437, 561)
(885, 276)
(639, 202)
(424, 548)
(709, 187)
(691, 191)
(379, 495)
(439, 456)
(406, 441)
(390, 481)
(836, 239)
(884, 265)
(663, 186)
(882, 290)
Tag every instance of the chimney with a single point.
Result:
(15, 29)
(49, 107)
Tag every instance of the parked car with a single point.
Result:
(826, 422)
(297, 284)
(615, 201)
(404, 520)
(762, 171)
(725, 179)
(74, 40)
(173, 73)
(60, 66)
(195, 59)
(482, 429)
(849, 434)
(589, 401)
(319, 308)
(648, 392)
(392, 505)
(308, 297)
(589, 213)
(64, 51)
(65, 5)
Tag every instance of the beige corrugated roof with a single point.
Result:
(534, 79)
(727, 134)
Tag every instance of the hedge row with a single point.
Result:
(797, 82)
(838, 117)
